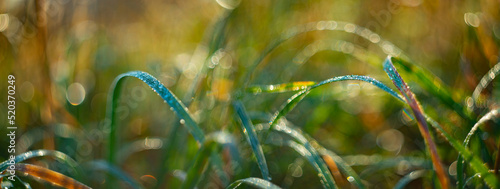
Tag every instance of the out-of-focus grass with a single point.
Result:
(235, 75)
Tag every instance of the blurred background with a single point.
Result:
(65, 55)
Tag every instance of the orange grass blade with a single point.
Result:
(422, 123)
(50, 176)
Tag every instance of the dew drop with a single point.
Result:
(182, 121)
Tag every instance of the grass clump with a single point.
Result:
(246, 104)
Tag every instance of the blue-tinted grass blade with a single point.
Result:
(100, 165)
(255, 182)
(408, 178)
(249, 131)
(177, 106)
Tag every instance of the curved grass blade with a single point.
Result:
(412, 162)
(485, 81)
(50, 176)
(489, 116)
(324, 174)
(295, 99)
(326, 25)
(433, 85)
(409, 177)
(347, 170)
(249, 131)
(279, 88)
(150, 143)
(460, 161)
(255, 182)
(163, 92)
(474, 161)
(101, 165)
(43, 153)
(422, 124)
(477, 175)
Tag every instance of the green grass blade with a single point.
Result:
(474, 161)
(255, 182)
(249, 131)
(408, 178)
(177, 106)
(324, 173)
(279, 88)
(460, 161)
(485, 81)
(100, 165)
(422, 124)
(295, 99)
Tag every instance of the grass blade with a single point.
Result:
(101, 165)
(422, 124)
(324, 174)
(255, 182)
(279, 88)
(50, 176)
(249, 131)
(485, 81)
(409, 177)
(433, 85)
(43, 153)
(177, 106)
(347, 170)
(295, 99)
(460, 161)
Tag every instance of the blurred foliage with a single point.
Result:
(65, 55)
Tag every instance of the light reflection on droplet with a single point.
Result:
(229, 4)
(471, 19)
(75, 94)
(390, 140)
(453, 168)
(350, 28)
(4, 22)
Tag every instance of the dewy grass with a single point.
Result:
(62, 157)
(295, 99)
(50, 176)
(409, 177)
(249, 132)
(177, 106)
(460, 161)
(422, 124)
(255, 182)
